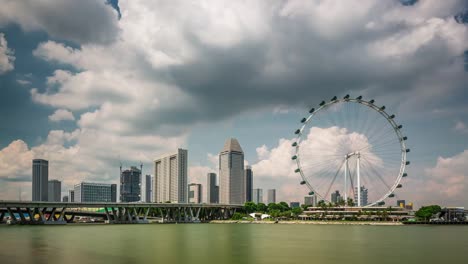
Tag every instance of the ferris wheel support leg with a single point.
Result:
(358, 181)
(345, 181)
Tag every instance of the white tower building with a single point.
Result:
(170, 177)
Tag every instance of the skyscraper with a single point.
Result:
(271, 197)
(40, 179)
(212, 188)
(257, 196)
(54, 190)
(65, 199)
(248, 183)
(231, 173)
(170, 177)
(195, 193)
(71, 196)
(148, 188)
(335, 197)
(95, 192)
(130, 185)
(363, 195)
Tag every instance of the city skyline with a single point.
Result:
(67, 97)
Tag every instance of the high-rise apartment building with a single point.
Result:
(130, 185)
(212, 189)
(257, 196)
(95, 192)
(54, 190)
(294, 204)
(40, 180)
(231, 173)
(195, 193)
(71, 196)
(310, 200)
(170, 177)
(148, 188)
(65, 199)
(363, 195)
(248, 183)
(271, 196)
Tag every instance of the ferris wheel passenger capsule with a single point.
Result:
(399, 186)
(391, 117)
(303, 120)
(407, 150)
(297, 131)
(346, 96)
(391, 195)
(311, 110)
(381, 203)
(322, 103)
(405, 175)
(334, 98)
(297, 170)
(303, 182)
(311, 193)
(359, 97)
(372, 101)
(382, 108)
(407, 163)
(294, 157)
(294, 144)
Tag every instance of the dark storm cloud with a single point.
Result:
(84, 21)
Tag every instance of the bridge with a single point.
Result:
(40, 213)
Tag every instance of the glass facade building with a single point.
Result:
(130, 185)
(40, 180)
(95, 192)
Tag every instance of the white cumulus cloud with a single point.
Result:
(61, 115)
(6, 55)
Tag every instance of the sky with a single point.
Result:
(89, 84)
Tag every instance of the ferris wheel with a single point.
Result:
(350, 151)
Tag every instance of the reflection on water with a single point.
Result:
(231, 243)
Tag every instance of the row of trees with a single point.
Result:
(275, 210)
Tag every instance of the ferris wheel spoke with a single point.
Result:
(334, 178)
(375, 172)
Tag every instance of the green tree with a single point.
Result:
(237, 216)
(250, 207)
(284, 206)
(261, 207)
(350, 202)
(274, 206)
(296, 211)
(426, 212)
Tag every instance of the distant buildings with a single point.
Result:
(363, 195)
(248, 183)
(71, 196)
(231, 173)
(212, 191)
(294, 204)
(40, 178)
(335, 197)
(95, 192)
(54, 190)
(271, 197)
(170, 178)
(148, 188)
(257, 196)
(401, 203)
(65, 199)
(195, 193)
(409, 206)
(130, 185)
(310, 200)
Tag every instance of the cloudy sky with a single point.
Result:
(87, 83)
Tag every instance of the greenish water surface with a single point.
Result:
(233, 243)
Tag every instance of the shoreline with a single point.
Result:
(299, 222)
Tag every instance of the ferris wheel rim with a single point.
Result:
(370, 104)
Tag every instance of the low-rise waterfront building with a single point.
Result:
(95, 192)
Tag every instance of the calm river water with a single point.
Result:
(233, 243)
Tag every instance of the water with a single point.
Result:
(233, 243)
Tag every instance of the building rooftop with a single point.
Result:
(232, 145)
